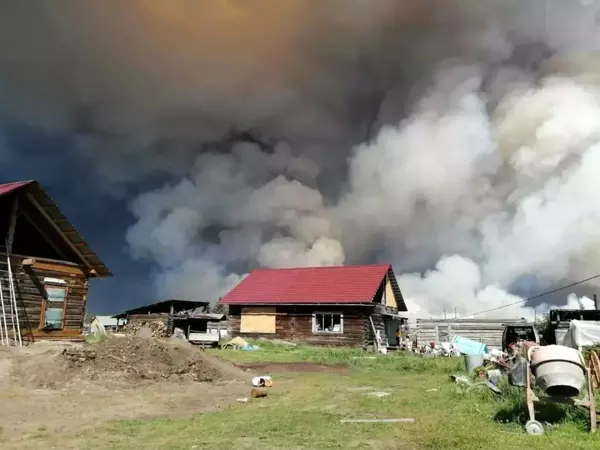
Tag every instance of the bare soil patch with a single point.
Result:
(56, 387)
(303, 367)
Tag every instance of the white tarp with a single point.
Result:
(582, 333)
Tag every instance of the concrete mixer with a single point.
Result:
(561, 373)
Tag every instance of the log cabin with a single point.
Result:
(328, 306)
(45, 268)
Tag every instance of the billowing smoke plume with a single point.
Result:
(459, 140)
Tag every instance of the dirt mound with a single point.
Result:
(126, 360)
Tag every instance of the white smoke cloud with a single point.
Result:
(456, 136)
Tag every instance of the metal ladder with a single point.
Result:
(9, 310)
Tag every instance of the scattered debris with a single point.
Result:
(494, 375)
(432, 390)
(258, 393)
(239, 343)
(249, 348)
(178, 333)
(242, 400)
(446, 349)
(97, 328)
(262, 381)
(461, 379)
(407, 420)
(378, 394)
(279, 342)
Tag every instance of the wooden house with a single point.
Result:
(45, 268)
(330, 306)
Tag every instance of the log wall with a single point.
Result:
(487, 331)
(294, 323)
(29, 292)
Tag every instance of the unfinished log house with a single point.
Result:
(45, 268)
(486, 331)
(328, 306)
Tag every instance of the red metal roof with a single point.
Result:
(341, 284)
(9, 187)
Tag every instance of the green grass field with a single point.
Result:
(303, 411)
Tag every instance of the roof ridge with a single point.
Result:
(357, 266)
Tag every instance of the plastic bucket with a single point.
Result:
(472, 362)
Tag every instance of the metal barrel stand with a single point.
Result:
(534, 427)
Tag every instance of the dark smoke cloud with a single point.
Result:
(310, 133)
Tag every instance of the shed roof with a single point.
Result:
(314, 285)
(162, 306)
(36, 195)
(107, 321)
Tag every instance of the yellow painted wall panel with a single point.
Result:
(390, 298)
(258, 319)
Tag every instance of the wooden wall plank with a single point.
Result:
(29, 290)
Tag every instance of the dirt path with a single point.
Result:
(303, 367)
(26, 410)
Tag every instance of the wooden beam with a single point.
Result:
(28, 262)
(58, 268)
(13, 222)
(58, 230)
(44, 235)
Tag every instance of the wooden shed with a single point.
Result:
(45, 268)
(330, 306)
(191, 316)
(487, 331)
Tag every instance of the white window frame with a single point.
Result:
(54, 284)
(325, 313)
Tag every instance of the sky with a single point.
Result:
(192, 142)
(102, 219)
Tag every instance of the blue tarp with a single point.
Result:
(468, 346)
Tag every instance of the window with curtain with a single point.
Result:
(328, 323)
(56, 299)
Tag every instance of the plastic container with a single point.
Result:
(472, 362)
(518, 373)
(559, 371)
(469, 346)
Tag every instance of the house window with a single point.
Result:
(54, 307)
(328, 323)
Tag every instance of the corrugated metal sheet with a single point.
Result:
(107, 321)
(313, 285)
(9, 187)
(488, 331)
(39, 196)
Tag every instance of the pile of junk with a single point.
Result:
(567, 373)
